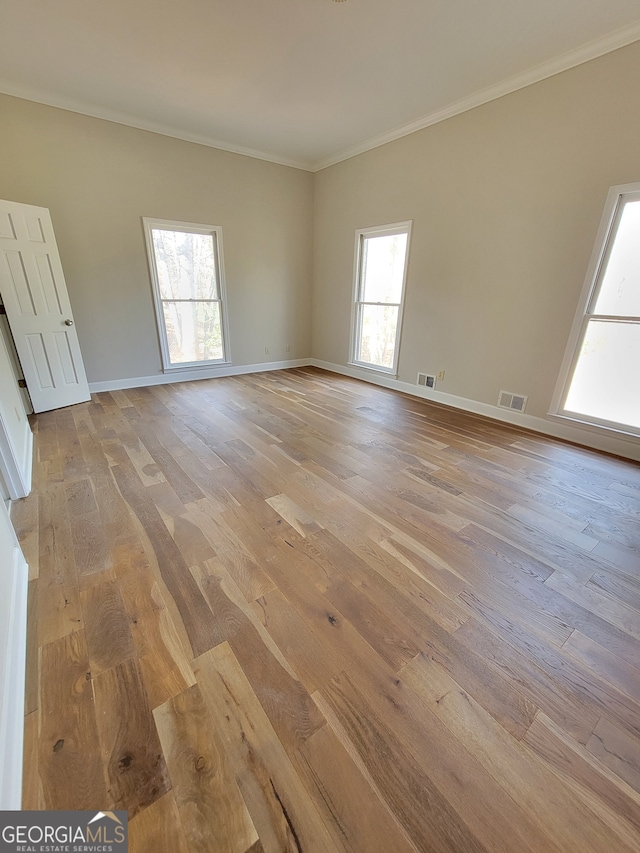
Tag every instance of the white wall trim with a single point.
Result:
(13, 644)
(16, 472)
(605, 238)
(26, 93)
(586, 435)
(193, 374)
(585, 53)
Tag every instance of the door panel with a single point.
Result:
(35, 296)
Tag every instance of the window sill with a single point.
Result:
(195, 365)
(374, 368)
(592, 426)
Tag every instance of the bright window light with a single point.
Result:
(381, 265)
(604, 385)
(187, 285)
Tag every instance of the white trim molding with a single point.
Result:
(13, 643)
(214, 232)
(71, 105)
(585, 53)
(16, 472)
(592, 50)
(193, 374)
(358, 301)
(585, 311)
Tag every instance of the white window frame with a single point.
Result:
(593, 281)
(215, 231)
(357, 303)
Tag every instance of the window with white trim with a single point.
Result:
(600, 384)
(380, 274)
(187, 275)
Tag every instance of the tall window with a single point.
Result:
(380, 275)
(602, 369)
(188, 288)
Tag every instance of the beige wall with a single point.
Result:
(99, 178)
(505, 201)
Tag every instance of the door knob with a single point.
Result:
(68, 322)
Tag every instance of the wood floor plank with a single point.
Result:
(394, 644)
(212, 812)
(569, 823)
(59, 610)
(605, 663)
(158, 828)
(297, 517)
(282, 810)
(32, 674)
(191, 541)
(342, 563)
(624, 589)
(181, 484)
(616, 612)
(107, 626)
(557, 604)
(288, 705)
(309, 656)
(214, 572)
(555, 670)
(358, 817)
(184, 590)
(618, 749)
(401, 776)
(32, 796)
(134, 761)
(162, 646)
(605, 792)
(69, 759)
(557, 698)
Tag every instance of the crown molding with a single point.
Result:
(139, 123)
(592, 50)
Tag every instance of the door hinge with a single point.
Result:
(3, 310)
(22, 383)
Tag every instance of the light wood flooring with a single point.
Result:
(295, 612)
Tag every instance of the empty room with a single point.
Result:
(320, 427)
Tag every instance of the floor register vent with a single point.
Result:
(427, 380)
(515, 402)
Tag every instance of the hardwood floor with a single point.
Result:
(295, 612)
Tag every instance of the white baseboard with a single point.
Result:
(620, 445)
(27, 465)
(193, 374)
(12, 670)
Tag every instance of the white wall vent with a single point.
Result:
(427, 380)
(515, 402)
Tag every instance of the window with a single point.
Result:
(380, 273)
(188, 288)
(599, 381)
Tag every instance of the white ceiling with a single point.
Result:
(302, 82)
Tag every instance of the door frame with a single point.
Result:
(16, 473)
(13, 645)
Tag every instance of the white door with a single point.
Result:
(35, 297)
